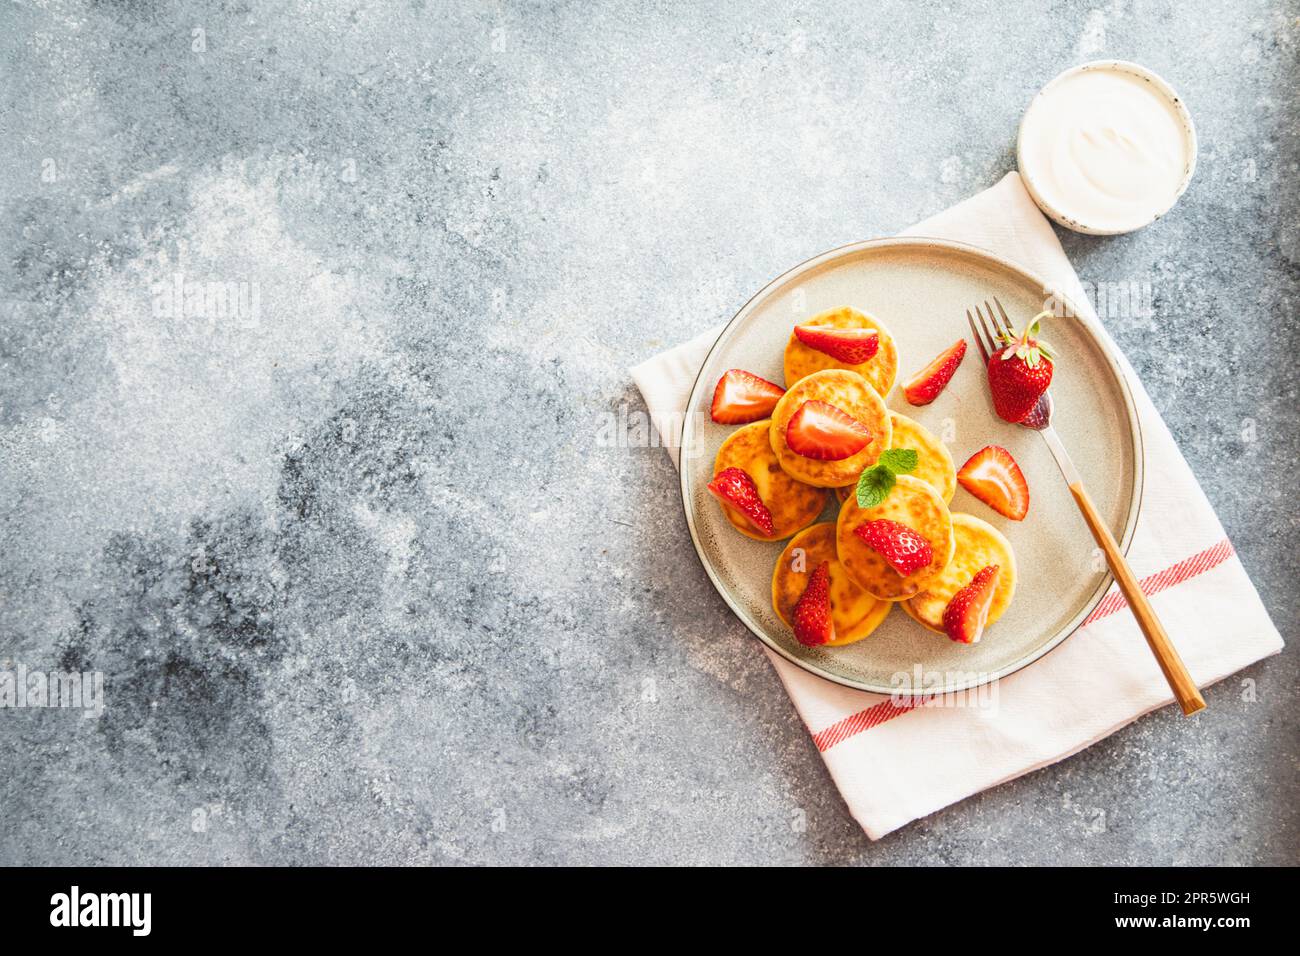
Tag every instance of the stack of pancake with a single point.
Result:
(864, 587)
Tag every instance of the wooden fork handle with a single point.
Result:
(1180, 681)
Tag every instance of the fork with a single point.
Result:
(1040, 419)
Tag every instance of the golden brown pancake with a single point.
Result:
(851, 394)
(794, 505)
(978, 544)
(880, 370)
(934, 463)
(855, 612)
(912, 503)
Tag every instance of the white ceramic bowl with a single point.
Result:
(1071, 219)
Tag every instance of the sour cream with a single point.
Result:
(1106, 147)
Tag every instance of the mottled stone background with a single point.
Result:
(362, 582)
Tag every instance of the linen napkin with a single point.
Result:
(895, 760)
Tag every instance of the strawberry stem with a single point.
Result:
(1027, 346)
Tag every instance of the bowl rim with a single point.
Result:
(1166, 89)
(1095, 330)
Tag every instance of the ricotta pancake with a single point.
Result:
(978, 544)
(855, 612)
(912, 503)
(851, 394)
(794, 505)
(880, 370)
(934, 463)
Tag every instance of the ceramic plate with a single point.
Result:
(919, 289)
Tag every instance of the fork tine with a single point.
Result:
(1002, 332)
(990, 334)
(1007, 321)
(992, 328)
(979, 337)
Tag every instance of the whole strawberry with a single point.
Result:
(1020, 372)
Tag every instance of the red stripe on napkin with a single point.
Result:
(1184, 570)
(863, 720)
(1197, 564)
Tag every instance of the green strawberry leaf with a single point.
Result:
(899, 460)
(874, 485)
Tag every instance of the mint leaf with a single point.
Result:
(874, 486)
(899, 460)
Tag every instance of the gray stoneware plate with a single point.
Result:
(919, 289)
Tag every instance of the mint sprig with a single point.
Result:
(875, 483)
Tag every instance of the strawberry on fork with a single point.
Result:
(1019, 379)
(1020, 372)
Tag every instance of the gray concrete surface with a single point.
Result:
(364, 586)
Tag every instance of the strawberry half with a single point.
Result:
(812, 615)
(993, 476)
(820, 430)
(925, 386)
(905, 550)
(850, 346)
(968, 611)
(1020, 372)
(742, 397)
(735, 489)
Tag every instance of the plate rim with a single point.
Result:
(1094, 329)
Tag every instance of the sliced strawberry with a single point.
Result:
(968, 611)
(850, 346)
(905, 550)
(735, 489)
(993, 476)
(742, 397)
(812, 615)
(925, 386)
(820, 430)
